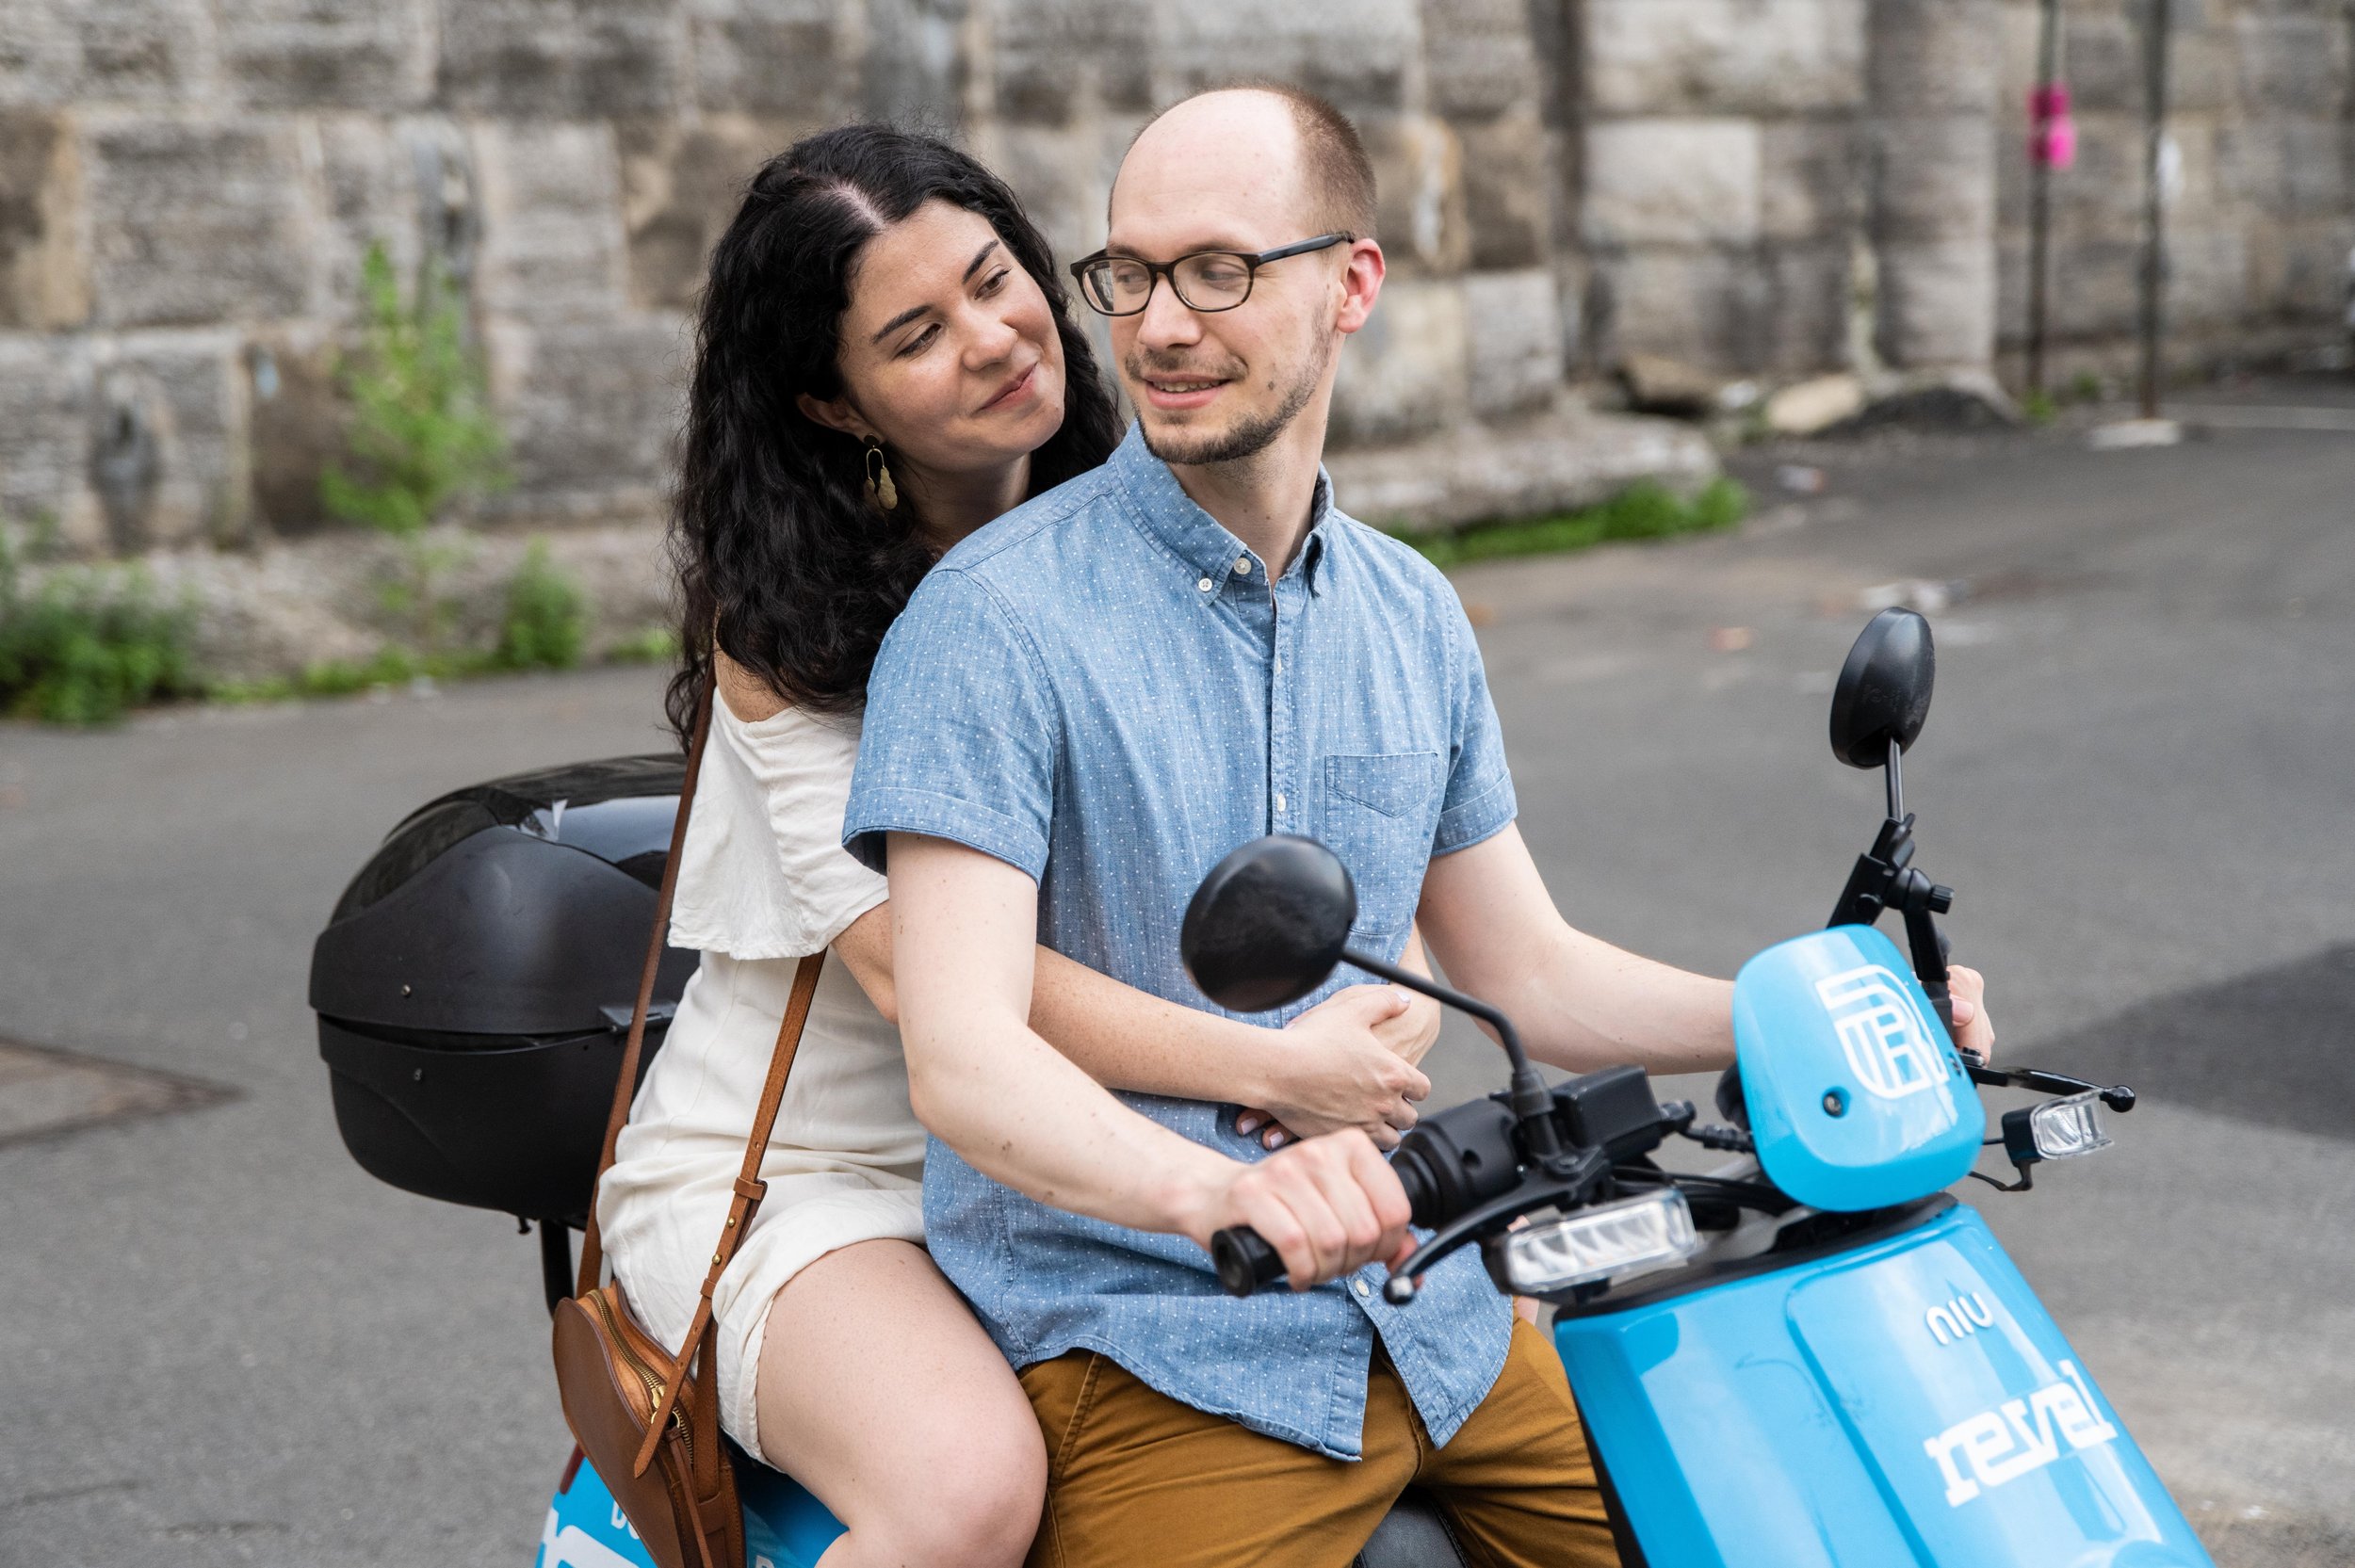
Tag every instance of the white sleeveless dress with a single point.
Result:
(763, 881)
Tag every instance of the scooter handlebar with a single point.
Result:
(1244, 1261)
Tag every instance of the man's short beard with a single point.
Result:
(1244, 441)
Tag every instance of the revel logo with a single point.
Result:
(2018, 1436)
(1892, 1049)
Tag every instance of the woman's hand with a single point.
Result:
(1415, 1029)
(1410, 1033)
(1966, 993)
(1343, 1065)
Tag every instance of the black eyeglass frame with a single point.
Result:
(1158, 272)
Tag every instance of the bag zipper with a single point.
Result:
(645, 1376)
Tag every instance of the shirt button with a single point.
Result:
(1244, 566)
(1363, 1290)
(1279, 801)
(1205, 584)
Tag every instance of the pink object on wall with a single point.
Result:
(2053, 135)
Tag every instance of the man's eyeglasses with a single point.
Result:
(1205, 280)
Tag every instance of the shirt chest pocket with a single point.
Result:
(1380, 813)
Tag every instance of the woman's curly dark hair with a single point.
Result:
(783, 562)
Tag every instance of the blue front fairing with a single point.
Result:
(1907, 1401)
(1856, 1097)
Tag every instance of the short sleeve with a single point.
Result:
(764, 875)
(962, 735)
(1479, 802)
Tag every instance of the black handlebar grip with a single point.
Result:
(1244, 1261)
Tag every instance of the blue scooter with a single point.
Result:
(1809, 1356)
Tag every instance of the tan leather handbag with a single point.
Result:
(649, 1420)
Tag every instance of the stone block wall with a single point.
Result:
(1768, 187)
(1723, 180)
(2261, 232)
(188, 187)
(1774, 188)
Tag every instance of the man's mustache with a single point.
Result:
(1146, 367)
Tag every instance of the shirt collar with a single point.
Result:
(1199, 541)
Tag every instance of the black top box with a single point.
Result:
(473, 985)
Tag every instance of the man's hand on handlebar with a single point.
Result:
(1348, 1062)
(1328, 1206)
(1967, 992)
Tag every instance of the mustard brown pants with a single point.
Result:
(1134, 1477)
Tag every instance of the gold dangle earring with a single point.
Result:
(879, 483)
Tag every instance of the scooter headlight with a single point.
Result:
(1601, 1243)
(2058, 1130)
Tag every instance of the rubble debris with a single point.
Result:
(1808, 407)
(1657, 384)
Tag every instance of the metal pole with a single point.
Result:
(2154, 205)
(2041, 196)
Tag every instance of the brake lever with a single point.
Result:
(2118, 1097)
(1588, 1167)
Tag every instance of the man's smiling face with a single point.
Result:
(1223, 173)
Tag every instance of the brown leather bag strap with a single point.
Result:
(592, 1246)
(750, 1189)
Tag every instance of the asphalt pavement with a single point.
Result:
(221, 1343)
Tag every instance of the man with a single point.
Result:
(1084, 708)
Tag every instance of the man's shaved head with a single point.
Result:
(1336, 176)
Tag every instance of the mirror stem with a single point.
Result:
(1530, 1100)
(1893, 773)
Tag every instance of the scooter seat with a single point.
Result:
(1414, 1534)
(786, 1525)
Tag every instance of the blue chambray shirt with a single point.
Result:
(1102, 689)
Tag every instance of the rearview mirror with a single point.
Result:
(1884, 689)
(1268, 924)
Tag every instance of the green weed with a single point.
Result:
(547, 616)
(1644, 510)
(422, 440)
(87, 645)
(652, 645)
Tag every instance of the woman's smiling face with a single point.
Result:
(949, 349)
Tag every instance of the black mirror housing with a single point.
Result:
(1268, 924)
(1884, 688)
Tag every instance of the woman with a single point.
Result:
(885, 363)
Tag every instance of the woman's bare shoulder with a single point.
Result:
(748, 697)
